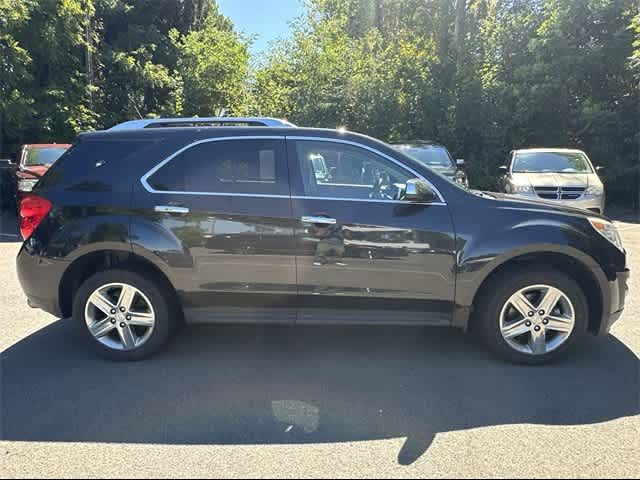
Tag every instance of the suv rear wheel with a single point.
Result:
(533, 316)
(125, 316)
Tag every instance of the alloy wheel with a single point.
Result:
(120, 316)
(537, 319)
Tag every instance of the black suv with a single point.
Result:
(136, 230)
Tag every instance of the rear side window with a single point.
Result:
(227, 166)
(42, 156)
(84, 164)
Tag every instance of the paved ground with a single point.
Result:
(313, 402)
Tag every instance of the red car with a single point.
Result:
(33, 162)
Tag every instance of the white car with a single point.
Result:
(557, 175)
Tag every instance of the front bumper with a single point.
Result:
(586, 202)
(618, 290)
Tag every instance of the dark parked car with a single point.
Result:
(436, 157)
(135, 230)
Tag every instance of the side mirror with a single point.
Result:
(503, 169)
(417, 190)
(460, 162)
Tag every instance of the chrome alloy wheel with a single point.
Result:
(537, 319)
(119, 316)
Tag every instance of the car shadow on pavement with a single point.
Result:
(257, 385)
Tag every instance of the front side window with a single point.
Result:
(551, 162)
(229, 166)
(335, 170)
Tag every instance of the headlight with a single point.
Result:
(522, 189)
(607, 230)
(594, 190)
(27, 184)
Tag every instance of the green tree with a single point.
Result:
(213, 63)
(482, 76)
(15, 103)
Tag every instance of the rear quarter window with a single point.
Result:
(84, 166)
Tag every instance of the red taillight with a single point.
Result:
(33, 209)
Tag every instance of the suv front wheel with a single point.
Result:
(534, 316)
(125, 316)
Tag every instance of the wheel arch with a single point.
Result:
(90, 263)
(577, 265)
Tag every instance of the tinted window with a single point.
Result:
(87, 160)
(335, 170)
(233, 166)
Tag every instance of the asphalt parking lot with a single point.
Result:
(313, 402)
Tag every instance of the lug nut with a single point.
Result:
(528, 324)
(113, 311)
(128, 317)
(122, 325)
(122, 309)
(541, 312)
(113, 321)
(537, 329)
(532, 313)
(545, 321)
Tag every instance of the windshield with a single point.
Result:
(43, 156)
(551, 162)
(432, 156)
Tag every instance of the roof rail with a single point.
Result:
(203, 121)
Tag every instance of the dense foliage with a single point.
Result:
(482, 76)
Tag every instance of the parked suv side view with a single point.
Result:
(135, 231)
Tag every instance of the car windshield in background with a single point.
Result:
(551, 162)
(43, 156)
(430, 155)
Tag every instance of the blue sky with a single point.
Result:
(267, 19)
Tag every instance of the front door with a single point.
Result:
(363, 254)
(226, 203)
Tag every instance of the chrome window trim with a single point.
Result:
(367, 200)
(145, 178)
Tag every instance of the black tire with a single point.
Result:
(167, 313)
(493, 299)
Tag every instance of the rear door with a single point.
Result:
(364, 255)
(223, 207)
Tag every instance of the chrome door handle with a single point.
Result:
(319, 220)
(171, 209)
